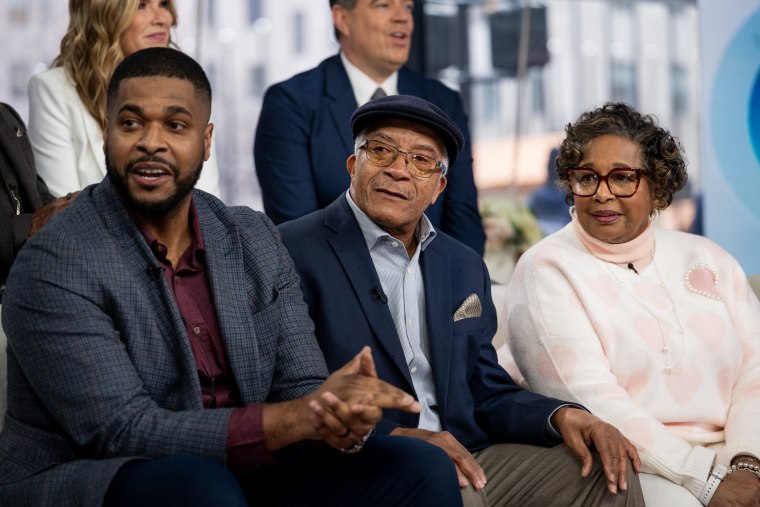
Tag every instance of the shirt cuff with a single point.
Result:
(549, 430)
(246, 443)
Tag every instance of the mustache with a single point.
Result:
(389, 185)
(151, 158)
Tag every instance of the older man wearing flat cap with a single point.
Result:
(375, 272)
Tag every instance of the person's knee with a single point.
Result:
(437, 466)
(634, 495)
(182, 481)
(423, 461)
(430, 472)
(206, 482)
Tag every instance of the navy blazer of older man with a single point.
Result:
(477, 400)
(304, 138)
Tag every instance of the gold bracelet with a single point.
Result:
(743, 465)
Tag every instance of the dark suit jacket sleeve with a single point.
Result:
(503, 410)
(461, 218)
(14, 229)
(17, 169)
(281, 156)
(81, 368)
(13, 232)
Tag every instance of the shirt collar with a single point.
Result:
(198, 246)
(425, 232)
(363, 85)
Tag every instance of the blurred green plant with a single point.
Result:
(509, 225)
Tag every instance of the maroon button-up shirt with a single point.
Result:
(246, 445)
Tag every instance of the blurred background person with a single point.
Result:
(547, 202)
(303, 137)
(67, 102)
(25, 207)
(656, 331)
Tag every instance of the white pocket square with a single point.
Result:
(470, 308)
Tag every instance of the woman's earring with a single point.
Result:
(654, 214)
(571, 210)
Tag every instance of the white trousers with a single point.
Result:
(660, 492)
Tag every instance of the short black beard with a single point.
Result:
(152, 208)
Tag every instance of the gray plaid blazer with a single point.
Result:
(100, 370)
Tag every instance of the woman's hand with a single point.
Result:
(738, 489)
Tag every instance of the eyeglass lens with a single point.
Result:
(622, 182)
(385, 154)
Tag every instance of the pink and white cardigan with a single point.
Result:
(583, 326)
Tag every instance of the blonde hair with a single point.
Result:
(91, 48)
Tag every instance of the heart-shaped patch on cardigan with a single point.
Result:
(703, 280)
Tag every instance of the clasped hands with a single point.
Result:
(348, 405)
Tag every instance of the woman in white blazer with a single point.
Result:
(67, 102)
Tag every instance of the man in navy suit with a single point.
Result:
(159, 349)
(374, 271)
(304, 135)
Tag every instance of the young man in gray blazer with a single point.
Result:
(160, 352)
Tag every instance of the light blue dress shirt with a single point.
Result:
(402, 283)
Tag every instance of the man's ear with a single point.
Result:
(441, 185)
(207, 134)
(351, 165)
(340, 20)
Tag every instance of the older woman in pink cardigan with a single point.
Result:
(655, 331)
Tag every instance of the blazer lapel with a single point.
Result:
(341, 98)
(350, 248)
(139, 260)
(227, 276)
(434, 264)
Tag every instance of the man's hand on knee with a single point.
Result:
(581, 430)
(468, 470)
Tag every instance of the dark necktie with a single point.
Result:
(378, 93)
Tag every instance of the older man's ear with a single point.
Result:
(441, 185)
(351, 164)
